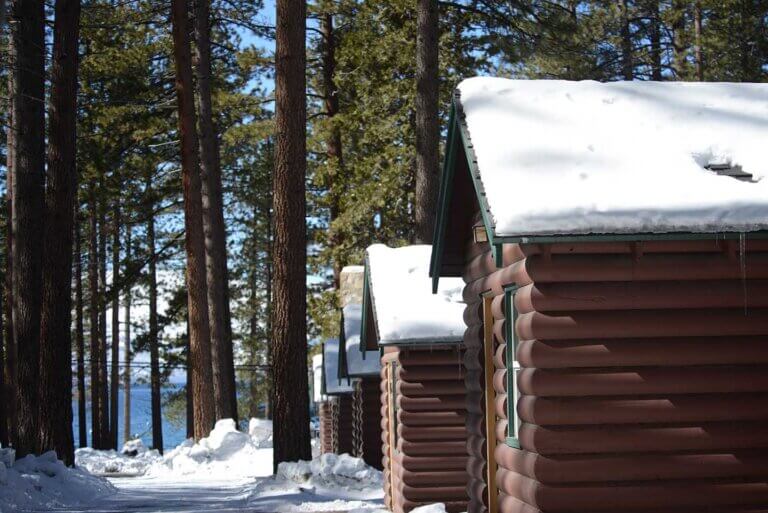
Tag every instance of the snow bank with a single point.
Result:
(403, 303)
(438, 507)
(133, 459)
(41, 483)
(260, 431)
(331, 468)
(226, 453)
(327, 483)
(559, 157)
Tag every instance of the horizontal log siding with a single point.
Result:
(644, 377)
(345, 424)
(326, 427)
(429, 463)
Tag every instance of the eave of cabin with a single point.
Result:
(343, 371)
(462, 194)
(369, 337)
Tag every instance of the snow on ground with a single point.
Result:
(225, 453)
(228, 472)
(328, 483)
(133, 459)
(43, 483)
(622, 157)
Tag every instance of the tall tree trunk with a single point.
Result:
(127, 435)
(217, 275)
(627, 65)
(289, 350)
(697, 50)
(270, 253)
(154, 353)
(197, 294)
(114, 378)
(333, 146)
(10, 339)
(655, 39)
(56, 319)
(93, 311)
(678, 38)
(427, 120)
(28, 204)
(190, 397)
(3, 401)
(80, 336)
(106, 439)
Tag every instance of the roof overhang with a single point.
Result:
(462, 195)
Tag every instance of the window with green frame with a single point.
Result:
(513, 366)
(393, 403)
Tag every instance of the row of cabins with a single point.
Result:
(608, 348)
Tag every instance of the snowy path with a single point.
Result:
(151, 495)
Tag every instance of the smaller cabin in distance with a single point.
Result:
(423, 405)
(613, 240)
(336, 411)
(364, 371)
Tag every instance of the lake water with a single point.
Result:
(141, 419)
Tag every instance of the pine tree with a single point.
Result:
(289, 350)
(427, 119)
(199, 334)
(56, 318)
(28, 204)
(213, 224)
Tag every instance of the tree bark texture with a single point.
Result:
(106, 439)
(93, 311)
(655, 39)
(289, 350)
(697, 52)
(222, 359)
(28, 204)
(114, 374)
(10, 339)
(197, 294)
(627, 65)
(80, 336)
(154, 353)
(127, 435)
(427, 120)
(56, 318)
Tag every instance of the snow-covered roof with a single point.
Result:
(356, 364)
(560, 157)
(333, 384)
(404, 307)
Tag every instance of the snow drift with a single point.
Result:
(226, 453)
(134, 459)
(41, 483)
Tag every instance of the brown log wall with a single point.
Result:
(429, 460)
(336, 425)
(345, 423)
(644, 377)
(326, 427)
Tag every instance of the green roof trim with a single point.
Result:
(444, 201)
(458, 134)
(367, 305)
